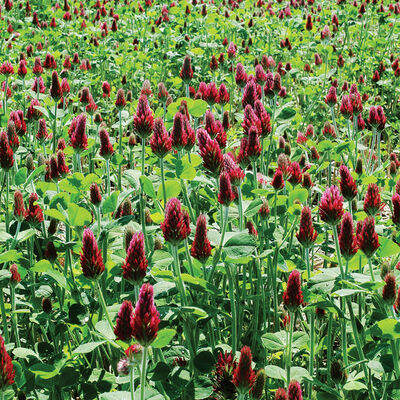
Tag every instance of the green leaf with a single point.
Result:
(20, 176)
(55, 214)
(87, 347)
(57, 276)
(298, 195)
(287, 113)
(22, 352)
(355, 385)
(172, 189)
(41, 266)
(387, 328)
(387, 247)
(204, 361)
(78, 216)
(197, 108)
(35, 173)
(10, 256)
(110, 203)
(275, 372)
(164, 337)
(240, 247)
(120, 395)
(44, 371)
(147, 186)
(184, 170)
(253, 207)
(105, 329)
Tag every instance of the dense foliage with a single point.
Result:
(199, 200)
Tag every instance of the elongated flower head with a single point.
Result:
(307, 234)
(277, 181)
(91, 259)
(123, 328)
(160, 142)
(223, 386)
(34, 214)
(241, 76)
(106, 148)
(210, 152)
(257, 391)
(225, 195)
(6, 153)
(281, 394)
(15, 275)
(348, 185)
(79, 140)
(372, 200)
(120, 101)
(186, 73)
(176, 223)
(253, 145)
(13, 139)
(293, 296)
(55, 88)
(263, 117)
(295, 175)
(367, 238)
(178, 133)
(62, 166)
(95, 195)
(143, 120)
(19, 207)
(264, 210)
(244, 376)
(135, 265)
(146, 319)
(389, 290)
(331, 206)
(7, 372)
(347, 240)
(396, 209)
(346, 107)
(201, 246)
(294, 391)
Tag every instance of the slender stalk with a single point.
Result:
(103, 304)
(4, 316)
(108, 176)
(369, 166)
(163, 181)
(329, 347)
(143, 374)
(240, 208)
(221, 242)
(120, 150)
(233, 306)
(132, 380)
(55, 128)
(289, 358)
(371, 269)
(6, 202)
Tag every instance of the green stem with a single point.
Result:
(163, 181)
(335, 235)
(108, 176)
(221, 242)
(289, 358)
(359, 348)
(371, 270)
(240, 208)
(55, 128)
(6, 202)
(132, 380)
(143, 374)
(4, 316)
(103, 304)
(233, 306)
(329, 347)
